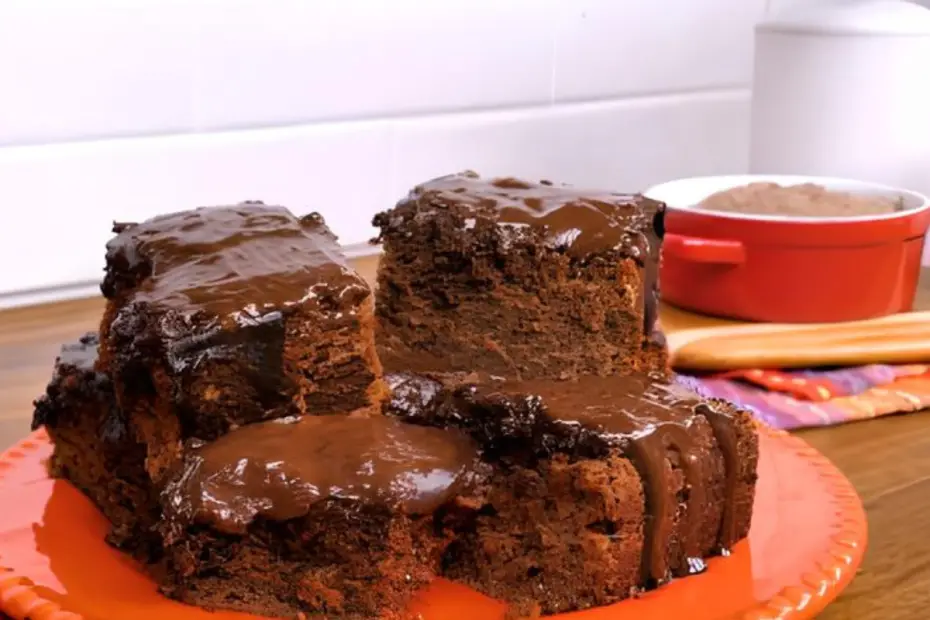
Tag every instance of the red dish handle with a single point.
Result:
(701, 250)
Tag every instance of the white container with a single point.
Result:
(843, 89)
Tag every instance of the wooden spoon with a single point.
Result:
(704, 343)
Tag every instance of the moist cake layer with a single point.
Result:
(223, 316)
(519, 279)
(94, 447)
(695, 458)
(581, 222)
(331, 515)
(655, 424)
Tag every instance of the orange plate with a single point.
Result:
(808, 537)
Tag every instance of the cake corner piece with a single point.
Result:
(518, 278)
(226, 315)
(597, 460)
(344, 525)
(94, 447)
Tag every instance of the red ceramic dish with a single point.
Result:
(788, 269)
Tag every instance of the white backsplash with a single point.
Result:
(121, 110)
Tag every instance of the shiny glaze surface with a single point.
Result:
(241, 262)
(217, 284)
(579, 221)
(643, 416)
(278, 469)
(647, 419)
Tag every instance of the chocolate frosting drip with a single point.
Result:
(653, 418)
(654, 235)
(577, 221)
(648, 421)
(725, 434)
(277, 470)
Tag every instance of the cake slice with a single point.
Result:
(94, 448)
(315, 515)
(602, 486)
(519, 279)
(224, 316)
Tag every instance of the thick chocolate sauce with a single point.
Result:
(579, 221)
(727, 442)
(649, 420)
(243, 263)
(646, 419)
(277, 470)
(216, 283)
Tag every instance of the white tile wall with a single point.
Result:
(119, 110)
(779, 5)
(618, 144)
(296, 61)
(610, 48)
(79, 189)
(94, 68)
(348, 171)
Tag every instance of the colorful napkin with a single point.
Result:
(805, 398)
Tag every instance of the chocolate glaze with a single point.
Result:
(580, 222)
(725, 434)
(506, 424)
(587, 417)
(646, 419)
(218, 283)
(243, 263)
(277, 470)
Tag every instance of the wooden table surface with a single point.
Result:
(888, 460)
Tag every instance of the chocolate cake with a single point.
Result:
(94, 448)
(528, 442)
(519, 279)
(218, 317)
(601, 487)
(333, 515)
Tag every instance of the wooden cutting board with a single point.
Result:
(704, 343)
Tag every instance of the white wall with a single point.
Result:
(120, 109)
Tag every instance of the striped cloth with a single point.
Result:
(805, 398)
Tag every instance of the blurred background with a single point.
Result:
(121, 109)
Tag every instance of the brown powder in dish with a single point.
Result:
(807, 200)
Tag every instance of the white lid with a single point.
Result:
(853, 17)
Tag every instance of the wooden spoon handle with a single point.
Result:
(898, 339)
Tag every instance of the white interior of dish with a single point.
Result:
(688, 193)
